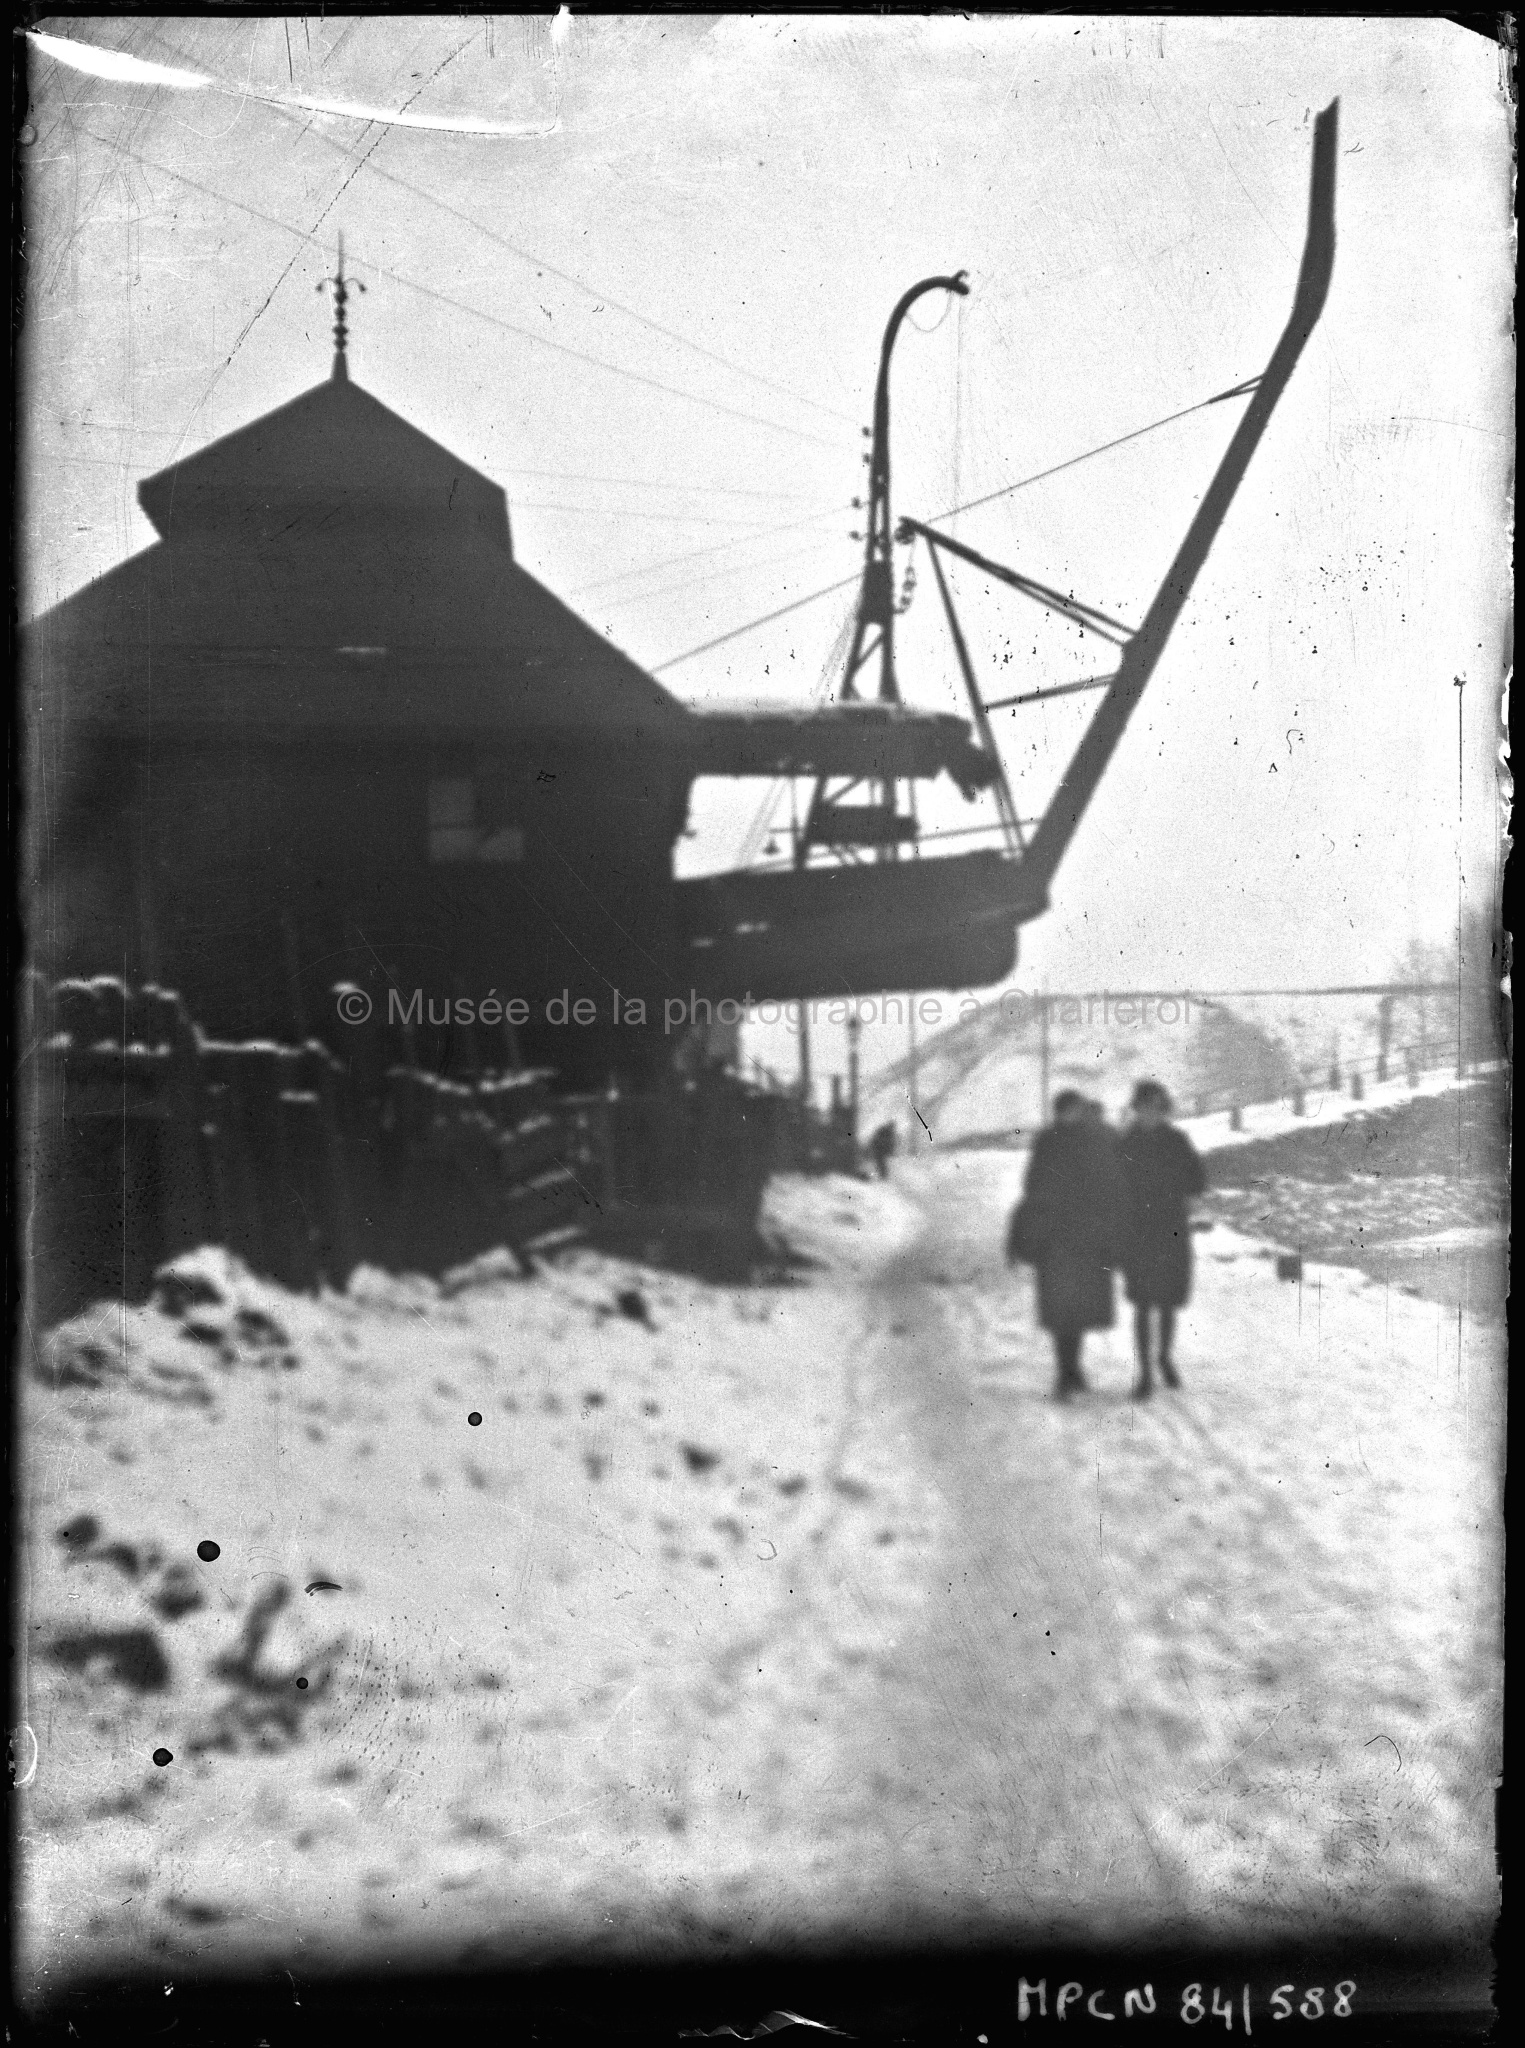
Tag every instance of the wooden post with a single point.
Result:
(293, 979)
(854, 1031)
(1384, 1034)
(1043, 1078)
(471, 1064)
(283, 1250)
(339, 1233)
(511, 1047)
(192, 1210)
(237, 1192)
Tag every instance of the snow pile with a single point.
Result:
(487, 1555)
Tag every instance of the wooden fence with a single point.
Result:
(143, 1137)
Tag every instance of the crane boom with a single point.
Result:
(1142, 652)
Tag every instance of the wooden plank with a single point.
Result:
(524, 1154)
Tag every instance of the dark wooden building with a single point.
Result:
(325, 729)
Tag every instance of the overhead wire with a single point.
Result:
(697, 554)
(649, 484)
(617, 305)
(544, 341)
(958, 400)
(762, 821)
(564, 276)
(747, 568)
(558, 475)
(990, 497)
(462, 306)
(645, 515)
(672, 661)
(305, 236)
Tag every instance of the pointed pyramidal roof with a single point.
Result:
(327, 540)
(335, 455)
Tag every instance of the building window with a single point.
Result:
(456, 832)
(452, 801)
(504, 845)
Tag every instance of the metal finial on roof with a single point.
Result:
(341, 286)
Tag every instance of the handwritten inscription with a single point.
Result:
(1197, 2003)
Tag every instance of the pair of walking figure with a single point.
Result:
(1094, 1201)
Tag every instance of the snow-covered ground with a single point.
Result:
(1321, 1108)
(752, 1615)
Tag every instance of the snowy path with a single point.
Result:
(794, 1613)
(1220, 1662)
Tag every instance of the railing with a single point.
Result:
(1406, 1063)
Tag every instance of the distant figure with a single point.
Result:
(1095, 1112)
(1163, 1172)
(1071, 1224)
(882, 1147)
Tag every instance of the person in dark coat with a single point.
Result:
(882, 1146)
(1072, 1225)
(1163, 1172)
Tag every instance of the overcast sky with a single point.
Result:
(653, 314)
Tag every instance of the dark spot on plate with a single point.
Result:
(163, 1757)
(208, 1551)
(595, 1464)
(593, 1400)
(132, 1656)
(632, 1303)
(475, 1419)
(699, 1460)
(301, 1685)
(197, 1914)
(322, 1586)
(177, 1593)
(795, 1485)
